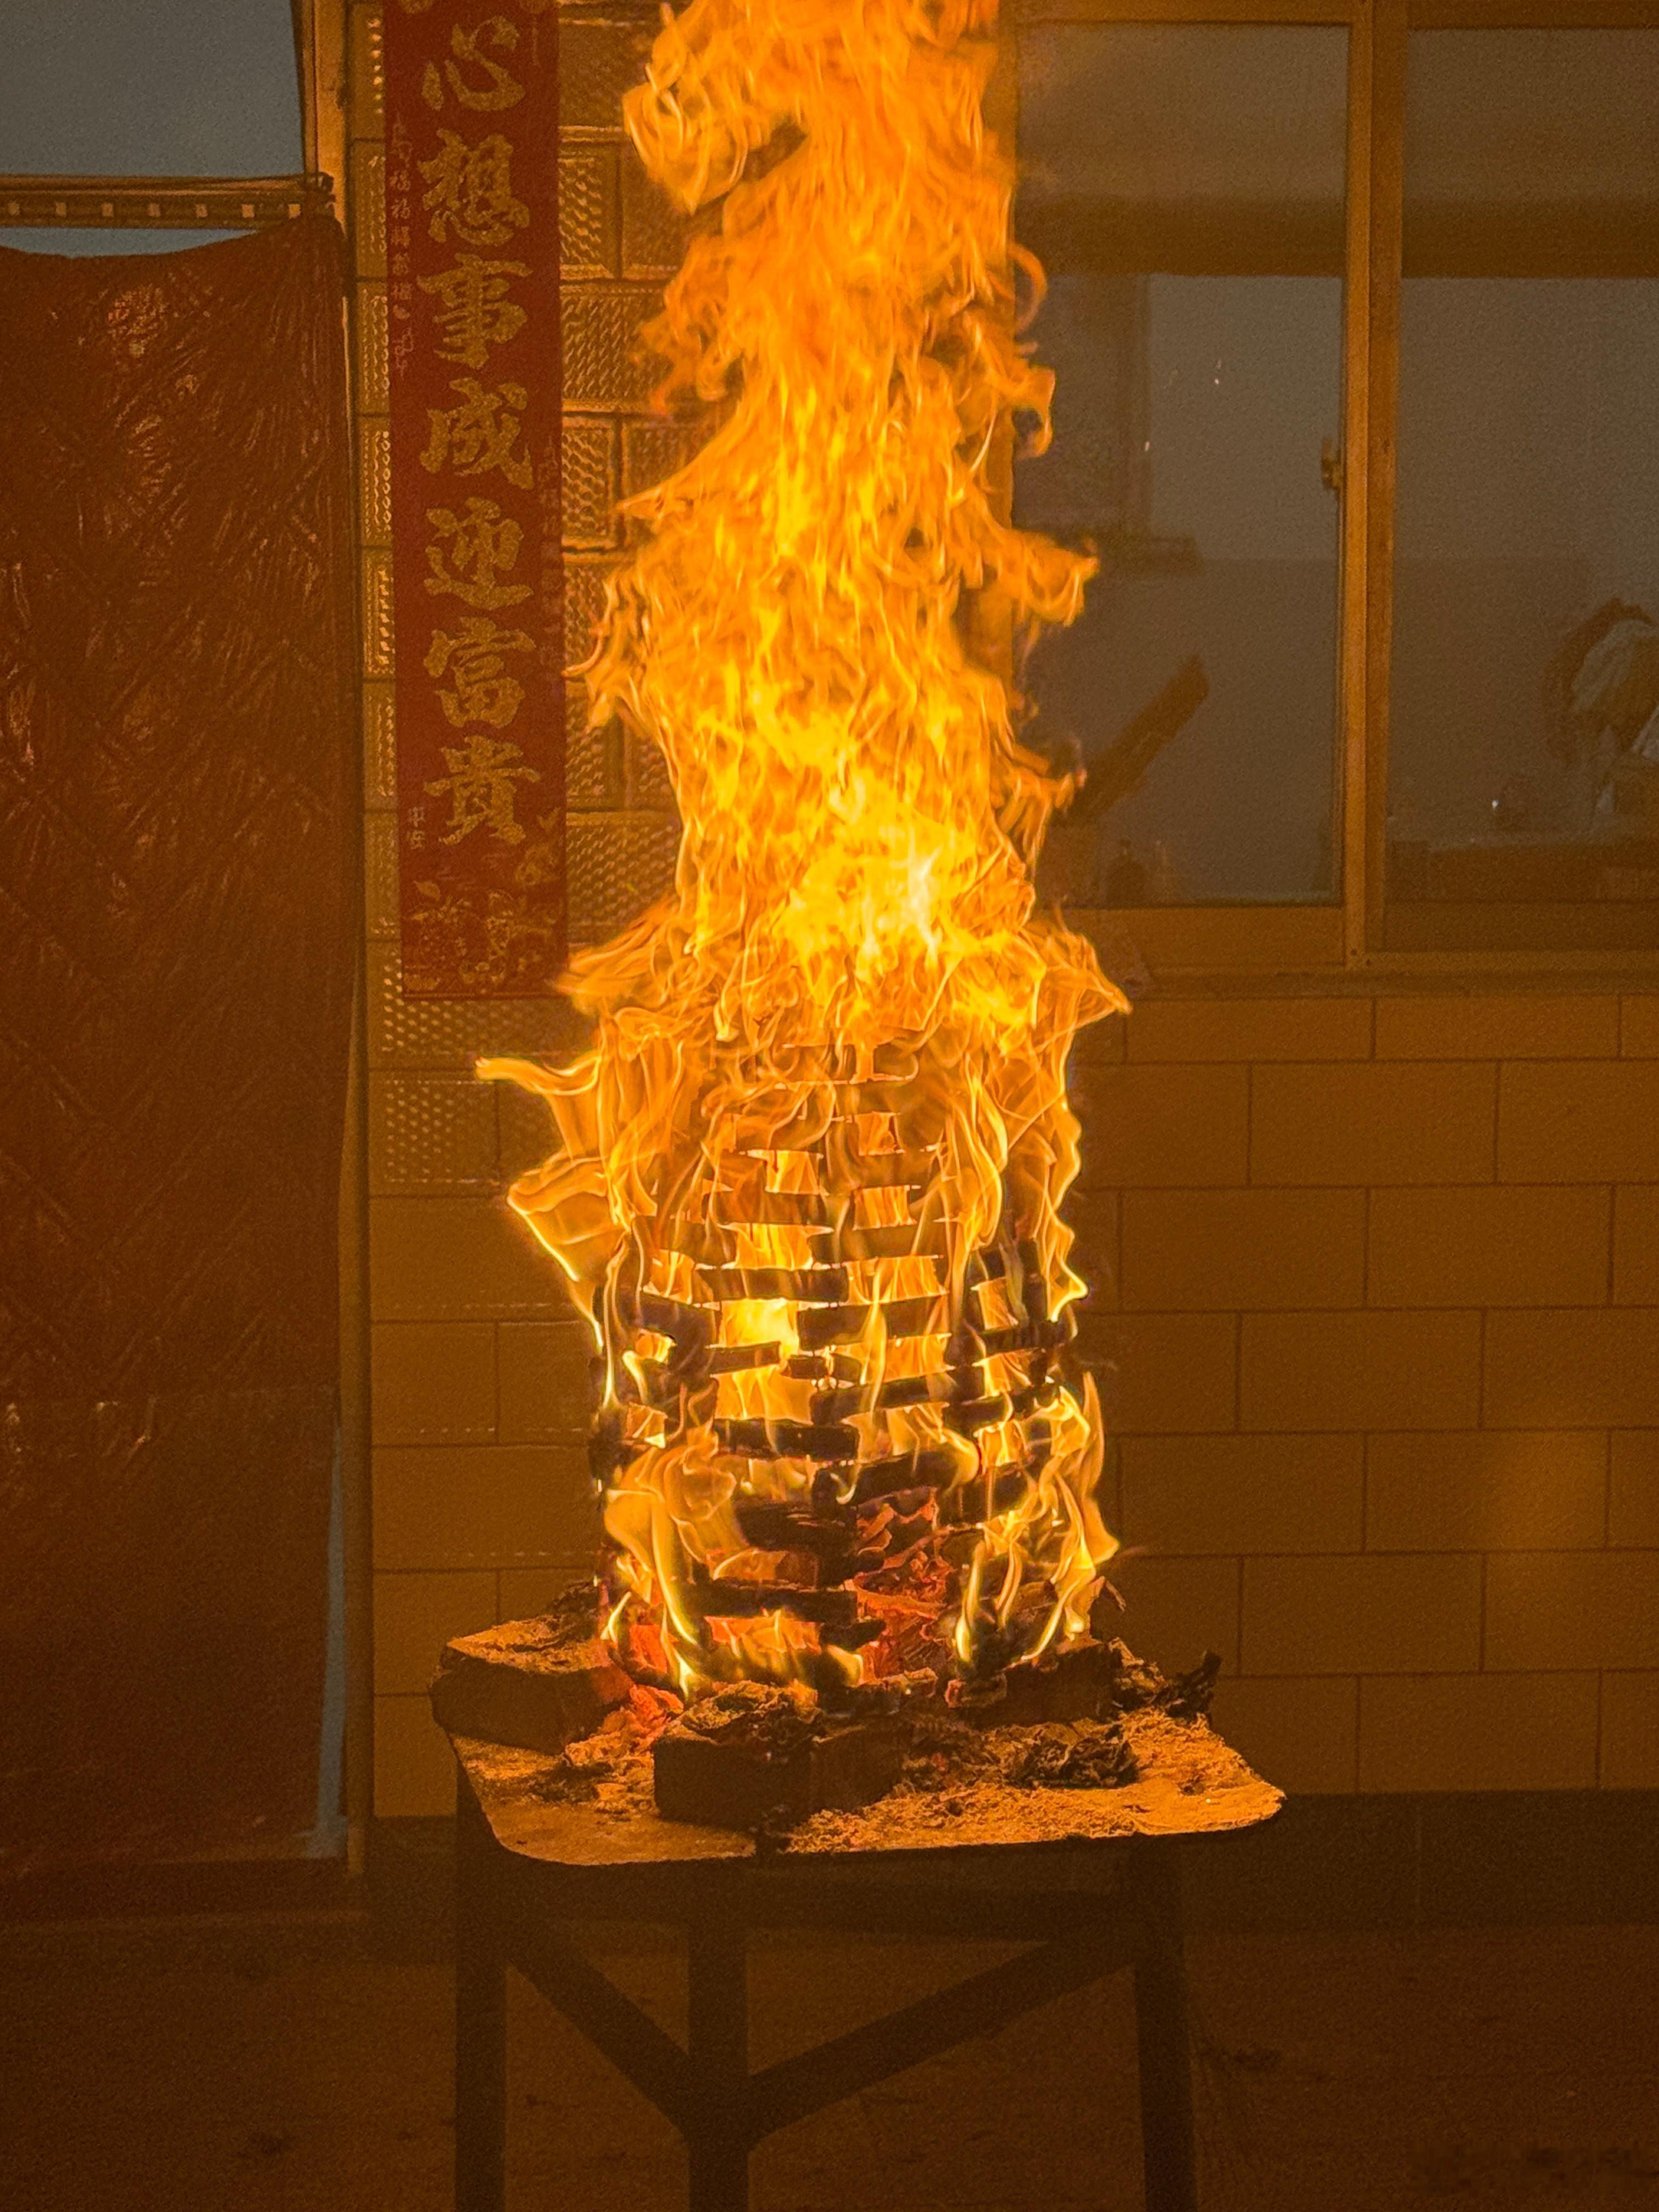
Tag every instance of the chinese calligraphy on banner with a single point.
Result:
(472, 238)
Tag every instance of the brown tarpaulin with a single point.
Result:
(178, 822)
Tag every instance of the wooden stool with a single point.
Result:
(527, 1869)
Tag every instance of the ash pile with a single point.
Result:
(762, 1757)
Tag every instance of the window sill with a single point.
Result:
(1296, 951)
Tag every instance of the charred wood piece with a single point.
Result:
(784, 1439)
(1137, 1683)
(752, 1756)
(1189, 1696)
(927, 1469)
(822, 1286)
(527, 1682)
(770, 1527)
(1084, 1755)
(967, 1505)
(1064, 1686)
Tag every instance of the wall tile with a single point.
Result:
(415, 1615)
(430, 1133)
(380, 640)
(1571, 1609)
(1519, 1490)
(1359, 1370)
(1217, 1250)
(367, 36)
(618, 863)
(1636, 1245)
(1175, 1610)
(1478, 1732)
(1630, 1731)
(414, 1766)
(1362, 1614)
(589, 232)
(1168, 1126)
(1162, 1371)
(526, 1133)
(1490, 1245)
(1510, 1025)
(585, 577)
(1232, 1494)
(483, 1505)
(380, 744)
(405, 1032)
(1633, 1505)
(526, 1591)
(1372, 1123)
(380, 874)
(1300, 1732)
(1250, 1029)
(434, 1382)
(654, 451)
(457, 1259)
(647, 788)
(598, 64)
(1638, 1033)
(1093, 1217)
(374, 482)
(588, 480)
(373, 331)
(1572, 1369)
(546, 1391)
(366, 163)
(1579, 1122)
(655, 233)
(592, 759)
(606, 364)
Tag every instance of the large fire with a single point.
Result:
(808, 1177)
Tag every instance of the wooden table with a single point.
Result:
(1088, 1878)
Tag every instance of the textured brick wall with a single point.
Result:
(1377, 1282)
(1378, 1307)
(480, 1496)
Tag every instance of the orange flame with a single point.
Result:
(807, 1180)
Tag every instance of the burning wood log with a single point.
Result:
(808, 1179)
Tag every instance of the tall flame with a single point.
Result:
(808, 1177)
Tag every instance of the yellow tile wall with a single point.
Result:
(1417, 1233)
(1375, 1300)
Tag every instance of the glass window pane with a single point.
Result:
(1524, 719)
(43, 239)
(124, 88)
(1183, 185)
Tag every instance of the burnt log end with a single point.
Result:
(717, 1785)
(525, 1683)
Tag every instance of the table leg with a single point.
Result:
(1166, 2082)
(480, 2022)
(717, 2040)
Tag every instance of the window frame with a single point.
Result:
(1365, 932)
(187, 203)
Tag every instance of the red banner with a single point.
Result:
(472, 234)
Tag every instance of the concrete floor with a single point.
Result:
(279, 2067)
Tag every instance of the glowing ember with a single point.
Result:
(807, 1179)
